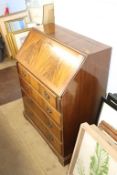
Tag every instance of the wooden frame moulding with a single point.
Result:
(10, 27)
(18, 38)
(91, 146)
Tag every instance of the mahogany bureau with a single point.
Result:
(63, 76)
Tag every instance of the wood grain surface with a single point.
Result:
(72, 70)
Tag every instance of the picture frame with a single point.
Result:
(108, 113)
(91, 146)
(15, 25)
(108, 129)
(48, 13)
(19, 37)
(3, 25)
(16, 39)
(11, 45)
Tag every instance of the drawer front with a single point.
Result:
(49, 110)
(28, 103)
(47, 95)
(51, 140)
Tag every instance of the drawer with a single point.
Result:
(51, 140)
(49, 110)
(46, 93)
(28, 103)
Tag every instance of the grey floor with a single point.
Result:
(22, 150)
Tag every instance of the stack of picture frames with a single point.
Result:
(95, 152)
(107, 116)
(17, 32)
(16, 39)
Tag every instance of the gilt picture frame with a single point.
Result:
(15, 25)
(19, 37)
(11, 45)
(89, 148)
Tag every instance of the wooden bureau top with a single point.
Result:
(73, 39)
(54, 55)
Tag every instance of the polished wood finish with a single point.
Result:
(59, 63)
(49, 110)
(64, 74)
(46, 93)
(49, 137)
(50, 124)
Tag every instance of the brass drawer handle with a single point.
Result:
(49, 111)
(49, 124)
(50, 138)
(30, 114)
(30, 102)
(28, 89)
(47, 97)
(24, 74)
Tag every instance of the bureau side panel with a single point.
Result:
(81, 99)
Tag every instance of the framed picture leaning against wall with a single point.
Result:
(90, 148)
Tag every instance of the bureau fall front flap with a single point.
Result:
(49, 61)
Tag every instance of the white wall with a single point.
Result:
(16, 6)
(96, 19)
(13, 5)
(37, 3)
(2, 7)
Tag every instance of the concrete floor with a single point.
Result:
(22, 149)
